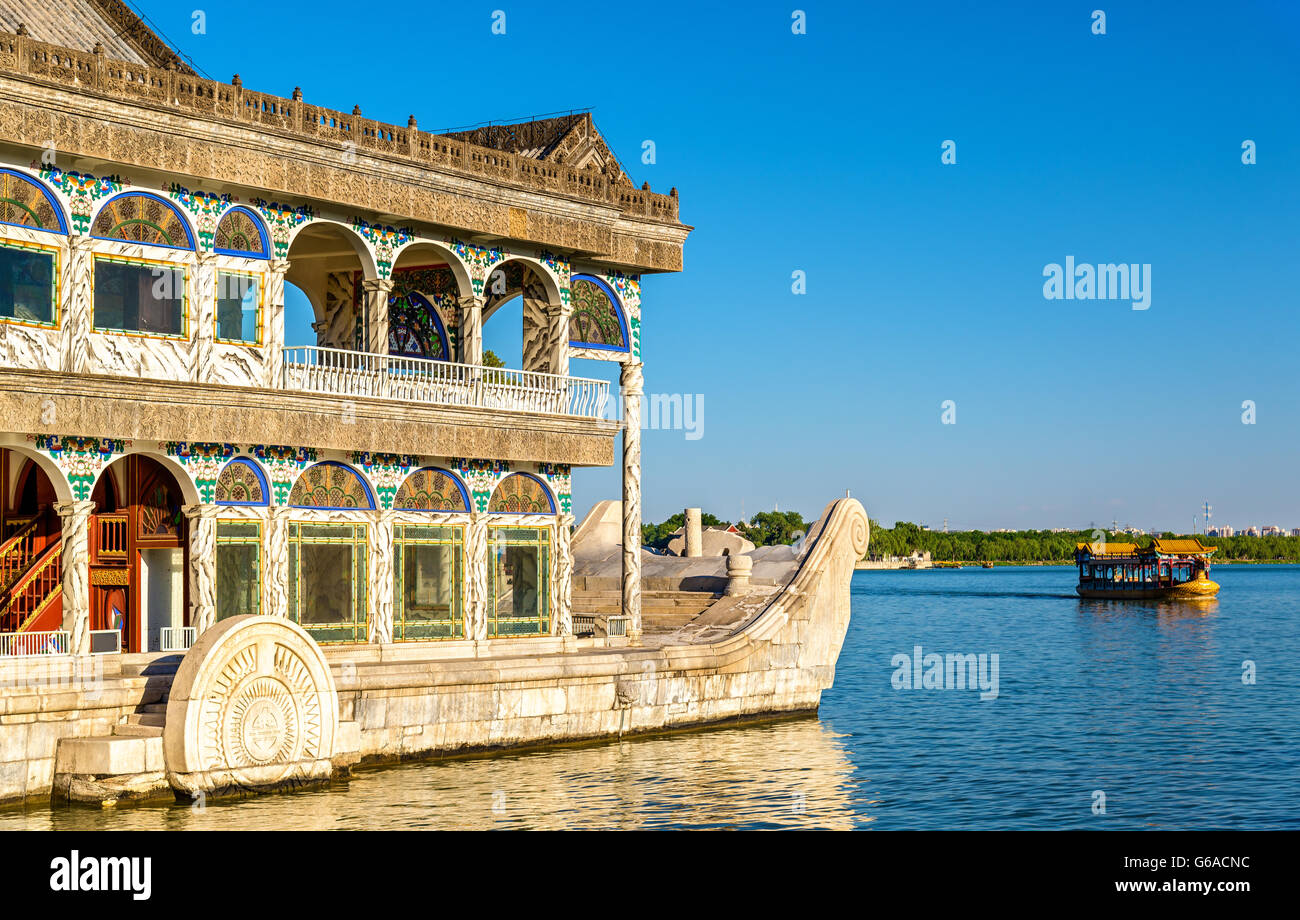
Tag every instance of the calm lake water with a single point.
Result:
(1142, 702)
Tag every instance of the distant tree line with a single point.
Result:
(767, 528)
(904, 538)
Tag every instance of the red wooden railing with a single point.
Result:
(110, 538)
(35, 592)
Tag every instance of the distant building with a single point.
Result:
(1272, 530)
(1251, 531)
(1223, 530)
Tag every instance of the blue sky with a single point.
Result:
(821, 153)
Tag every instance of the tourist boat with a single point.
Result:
(1165, 569)
(987, 565)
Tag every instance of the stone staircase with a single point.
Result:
(128, 764)
(660, 610)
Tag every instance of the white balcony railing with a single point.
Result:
(357, 373)
(178, 638)
(24, 644)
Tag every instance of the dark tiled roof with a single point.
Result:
(80, 24)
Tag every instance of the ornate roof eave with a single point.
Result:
(528, 192)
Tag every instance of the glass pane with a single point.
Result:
(238, 585)
(139, 298)
(27, 285)
(237, 298)
(325, 583)
(429, 601)
(236, 531)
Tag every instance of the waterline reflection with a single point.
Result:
(789, 774)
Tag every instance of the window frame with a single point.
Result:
(360, 624)
(255, 540)
(182, 267)
(461, 570)
(260, 278)
(546, 614)
(56, 294)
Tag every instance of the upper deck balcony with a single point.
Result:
(159, 304)
(421, 380)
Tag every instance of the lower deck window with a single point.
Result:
(239, 557)
(27, 284)
(428, 581)
(136, 297)
(327, 580)
(519, 578)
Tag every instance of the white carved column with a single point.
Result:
(75, 518)
(203, 369)
(377, 294)
(202, 565)
(379, 567)
(275, 568)
(78, 307)
(631, 381)
(562, 590)
(476, 561)
(471, 330)
(273, 326)
(559, 334)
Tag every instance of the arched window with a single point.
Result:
(431, 489)
(241, 233)
(598, 320)
(24, 202)
(138, 217)
(415, 329)
(520, 493)
(241, 482)
(331, 485)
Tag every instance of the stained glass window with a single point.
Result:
(428, 582)
(241, 234)
(331, 485)
(414, 329)
(596, 320)
(26, 204)
(519, 578)
(139, 218)
(239, 581)
(239, 484)
(430, 490)
(520, 493)
(327, 580)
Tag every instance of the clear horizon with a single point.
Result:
(821, 153)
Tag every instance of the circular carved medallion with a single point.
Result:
(252, 705)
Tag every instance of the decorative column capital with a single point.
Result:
(74, 509)
(80, 243)
(470, 302)
(201, 512)
(207, 259)
(280, 266)
(377, 285)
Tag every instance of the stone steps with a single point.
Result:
(131, 729)
(155, 719)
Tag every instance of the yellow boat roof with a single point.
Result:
(1191, 547)
(1108, 549)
